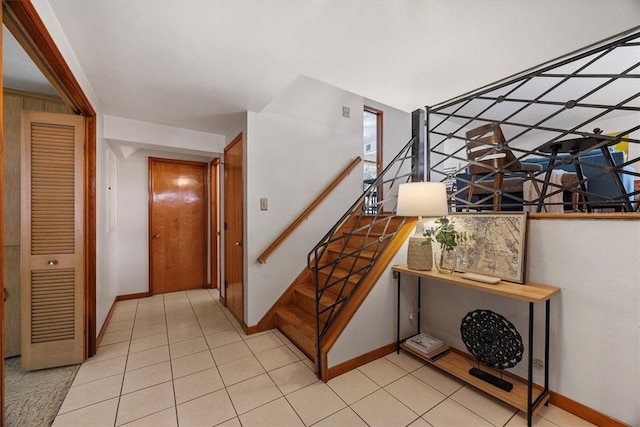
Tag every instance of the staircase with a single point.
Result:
(343, 271)
(343, 267)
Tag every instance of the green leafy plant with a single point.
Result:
(446, 234)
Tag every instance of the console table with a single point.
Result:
(523, 396)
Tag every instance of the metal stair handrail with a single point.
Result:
(374, 208)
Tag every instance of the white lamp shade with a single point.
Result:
(427, 199)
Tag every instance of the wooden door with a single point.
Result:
(177, 225)
(214, 243)
(13, 105)
(52, 240)
(234, 228)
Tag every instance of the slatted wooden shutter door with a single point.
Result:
(52, 240)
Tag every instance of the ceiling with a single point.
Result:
(200, 64)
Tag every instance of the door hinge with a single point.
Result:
(225, 225)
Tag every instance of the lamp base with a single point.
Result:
(419, 254)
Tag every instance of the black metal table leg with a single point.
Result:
(546, 349)
(530, 369)
(419, 300)
(616, 179)
(581, 183)
(398, 318)
(547, 178)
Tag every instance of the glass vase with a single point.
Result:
(445, 261)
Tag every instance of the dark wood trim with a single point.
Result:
(2, 296)
(106, 322)
(262, 258)
(349, 365)
(112, 309)
(252, 329)
(21, 16)
(379, 144)
(562, 402)
(23, 21)
(582, 411)
(133, 296)
(214, 215)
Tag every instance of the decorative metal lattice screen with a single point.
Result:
(590, 98)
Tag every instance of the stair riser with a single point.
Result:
(298, 329)
(379, 226)
(354, 262)
(323, 275)
(360, 240)
(308, 305)
(335, 289)
(303, 344)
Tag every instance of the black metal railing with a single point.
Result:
(356, 241)
(592, 96)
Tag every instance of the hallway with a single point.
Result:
(181, 359)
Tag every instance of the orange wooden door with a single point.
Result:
(177, 225)
(234, 225)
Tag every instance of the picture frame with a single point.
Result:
(498, 246)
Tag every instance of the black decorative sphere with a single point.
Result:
(492, 339)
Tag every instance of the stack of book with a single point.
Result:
(427, 346)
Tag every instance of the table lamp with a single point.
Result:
(421, 199)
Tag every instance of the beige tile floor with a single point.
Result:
(181, 359)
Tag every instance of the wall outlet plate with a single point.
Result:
(264, 204)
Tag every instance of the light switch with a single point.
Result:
(264, 204)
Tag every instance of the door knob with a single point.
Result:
(238, 243)
(52, 262)
(156, 236)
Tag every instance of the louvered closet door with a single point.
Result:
(52, 226)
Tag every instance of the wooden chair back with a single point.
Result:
(487, 150)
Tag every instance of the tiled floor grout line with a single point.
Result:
(173, 383)
(206, 316)
(124, 373)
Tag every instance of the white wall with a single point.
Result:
(105, 243)
(152, 136)
(132, 224)
(595, 321)
(132, 218)
(294, 148)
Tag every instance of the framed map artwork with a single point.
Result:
(498, 247)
